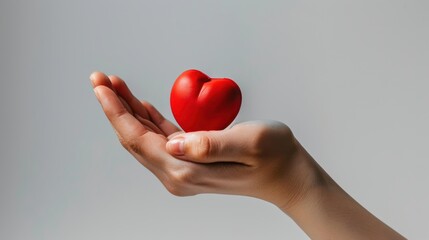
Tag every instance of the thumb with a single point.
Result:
(207, 146)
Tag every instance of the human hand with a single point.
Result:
(260, 159)
(256, 159)
(264, 160)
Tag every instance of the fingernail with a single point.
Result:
(176, 146)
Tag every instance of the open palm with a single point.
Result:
(141, 129)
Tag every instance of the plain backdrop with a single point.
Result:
(351, 79)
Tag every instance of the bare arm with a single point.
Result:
(258, 159)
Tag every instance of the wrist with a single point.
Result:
(325, 211)
(305, 182)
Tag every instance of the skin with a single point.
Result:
(258, 159)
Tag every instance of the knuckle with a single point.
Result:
(260, 141)
(181, 181)
(115, 114)
(183, 176)
(271, 138)
(135, 147)
(204, 147)
(130, 145)
(122, 141)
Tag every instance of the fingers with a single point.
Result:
(216, 161)
(233, 161)
(144, 109)
(122, 89)
(132, 104)
(245, 143)
(100, 79)
(181, 178)
(184, 178)
(149, 125)
(166, 126)
(232, 145)
(127, 126)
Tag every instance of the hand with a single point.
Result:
(254, 159)
(258, 159)
(261, 159)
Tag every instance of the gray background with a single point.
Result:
(349, 77)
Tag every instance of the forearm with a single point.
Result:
(326, 211)
(264, 161)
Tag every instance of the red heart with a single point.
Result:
(201, 103)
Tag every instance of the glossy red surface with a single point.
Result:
(201, 103)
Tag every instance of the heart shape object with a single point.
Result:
(201, 103)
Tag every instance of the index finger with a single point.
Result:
(125, 124)
(146, 146)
